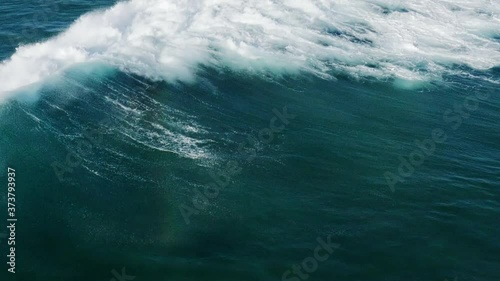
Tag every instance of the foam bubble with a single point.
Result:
(412, 40)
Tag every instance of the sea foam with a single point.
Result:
(414, 40)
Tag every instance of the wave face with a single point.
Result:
(169, 40)
(108, 161)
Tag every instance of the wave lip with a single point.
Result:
(414, 40)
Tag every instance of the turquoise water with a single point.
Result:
(236, 171)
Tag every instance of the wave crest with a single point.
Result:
(411, 40)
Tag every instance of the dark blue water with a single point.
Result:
(236, 176)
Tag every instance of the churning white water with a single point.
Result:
(411, 40)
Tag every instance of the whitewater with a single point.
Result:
(170, 40)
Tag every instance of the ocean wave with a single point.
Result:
(415, 40)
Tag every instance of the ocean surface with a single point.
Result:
(228, 140)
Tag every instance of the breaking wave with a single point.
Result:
(415, 40)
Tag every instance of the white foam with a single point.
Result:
(409, 40)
